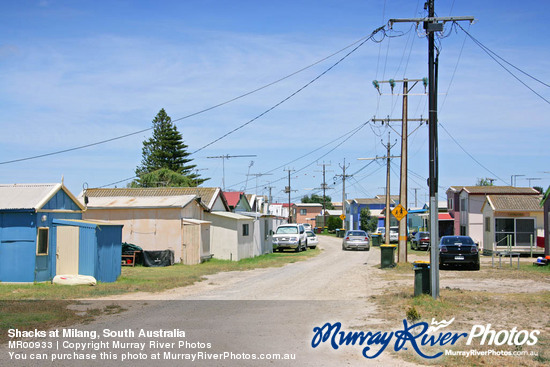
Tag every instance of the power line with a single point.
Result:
(361, 41)
(493, 56)
(291, 95)
(352, 132)
(471, 156)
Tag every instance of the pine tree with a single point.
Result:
(165, 150)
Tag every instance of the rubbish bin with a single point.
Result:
(387, 256)
(421, 278)
(342, 233)
(337, 232)
(376, 239)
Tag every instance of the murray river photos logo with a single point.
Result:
(420, 337)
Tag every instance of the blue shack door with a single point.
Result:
(42, 271)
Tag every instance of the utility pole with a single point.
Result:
(324, 187)
(387, 157)
(415, 201)
(402, 243)
(270, 196)
(432, 25)
(227, 156)
(258, 175)
(288, 191)
(344, 176)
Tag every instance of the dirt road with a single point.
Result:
(239, 316)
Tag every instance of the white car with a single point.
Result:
(290, 236)
(312, 240)
(394, 234)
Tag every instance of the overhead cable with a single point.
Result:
(361, 41)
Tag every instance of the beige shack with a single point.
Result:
(159, 218)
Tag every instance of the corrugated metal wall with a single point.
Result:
(191, 249)
(17, 247)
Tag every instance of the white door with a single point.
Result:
(67, 250)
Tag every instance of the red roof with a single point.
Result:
(233, 197)
(445, 216)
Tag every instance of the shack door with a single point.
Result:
(67, 250)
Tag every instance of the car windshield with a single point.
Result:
(424, 235)
(357, 233)
(287, 230)
(310, 234)
(452, 240)
(381, 230)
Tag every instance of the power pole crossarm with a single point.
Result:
(433, 24)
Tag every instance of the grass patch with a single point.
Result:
(144, 279)
(526, 311)
(45, 305)
(43, 315)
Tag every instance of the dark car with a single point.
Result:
(420, 241)
(458, 250)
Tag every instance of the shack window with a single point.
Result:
(303, 211)
(245, 230)
(42, 241)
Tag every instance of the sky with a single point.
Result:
(75, 73)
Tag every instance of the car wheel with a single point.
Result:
(367, 249)
(299, 247)
(305, 246)
(313, 247)
(475, 266)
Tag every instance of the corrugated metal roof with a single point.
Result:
(122, 202)
(90, 223)
(231, 215)
(503, 190)
(207, 194)
(195, 221)
(371, 201)
(26, 196)
(529, 203)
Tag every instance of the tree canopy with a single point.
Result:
(368, 222)
(318, 199)
(484, 182)
(164, 159)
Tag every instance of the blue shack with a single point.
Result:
(29, 215)
(88, 247)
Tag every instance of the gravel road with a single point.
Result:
(259, 313)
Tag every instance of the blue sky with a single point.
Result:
(78, 72)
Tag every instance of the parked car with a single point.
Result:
(356, 240)
(290, 236)
(420, 241)
(307, 227)
(458, 250)
(312, 240)
(394, 234)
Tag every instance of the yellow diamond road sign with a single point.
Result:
(342, 216)
(399, 212)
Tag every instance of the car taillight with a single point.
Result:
(474, 249)
(442, 248)
(347, 238)
(366, 239)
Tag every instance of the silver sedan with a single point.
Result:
(356, 240)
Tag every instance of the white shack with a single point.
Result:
(231, 235)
